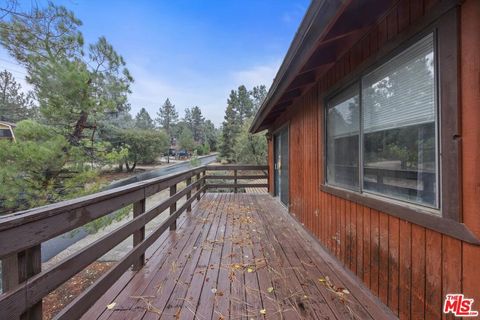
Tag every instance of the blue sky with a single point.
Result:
(193, 52)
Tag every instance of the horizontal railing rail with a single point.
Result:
(240, 174)
(24, 282)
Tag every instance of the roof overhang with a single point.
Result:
(8, 124)
(328, 29)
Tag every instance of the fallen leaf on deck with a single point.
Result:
(111, 305)
(270, 290)
(339, 291)
(263, 311)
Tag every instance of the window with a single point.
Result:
(386, 125)
(343, 125)
(5, 133)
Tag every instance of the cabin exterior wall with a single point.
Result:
(408, 266)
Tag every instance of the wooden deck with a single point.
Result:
(238, 256)
(257, 189)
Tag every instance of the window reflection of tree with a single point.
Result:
(404, 147)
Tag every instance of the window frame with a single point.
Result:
(448, 218)
(358, 88)
(351, 86)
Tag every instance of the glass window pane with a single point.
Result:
(398, 101)
(343, 138)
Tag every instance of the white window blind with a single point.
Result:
(401, 92)
(343, 114)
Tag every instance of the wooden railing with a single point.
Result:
(25, 284)
(240, 173)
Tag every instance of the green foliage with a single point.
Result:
(236, 142)
(202, 149)
(72, 87)
(186, 140)
(38, 169)
(194, 131)
(197, 124)
(194, 161)
(259, 93)
(144, 146)
(167, 117)
(250, 148)
(230, 131)
(102, 222)
(14, 104)
(83, 115)
(143, 120)
(243, 103)
(30, 130)
(211, 136)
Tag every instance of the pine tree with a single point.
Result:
(236, 140)
(73, 83)
(14, 104)
(244, 103)
(188, 117)
(143, 120)
(167, 117)
(211, 135)
(230, 128)
(258, 93)
(197, 125)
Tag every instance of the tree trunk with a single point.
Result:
(79, 126)
(130, 169)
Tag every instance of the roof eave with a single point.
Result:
(303, 42)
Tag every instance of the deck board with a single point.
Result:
(239, 256)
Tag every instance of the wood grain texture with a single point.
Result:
(402, 261)
(25, 284)
(241, 245)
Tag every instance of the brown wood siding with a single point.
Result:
(409, 267)
(470, 95)
(271, 173)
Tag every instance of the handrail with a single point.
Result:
(22, 233)
(236, 177)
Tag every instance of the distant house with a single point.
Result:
(6, 130)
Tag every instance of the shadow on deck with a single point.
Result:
(238, 256)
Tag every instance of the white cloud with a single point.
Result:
(151, 88)
(257, 75)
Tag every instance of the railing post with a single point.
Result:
(198, 186)
(139, 235)
(189, 194)
(173, 207)
(18, 268)
(235, 174)
(204, 183)
(268, 180)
